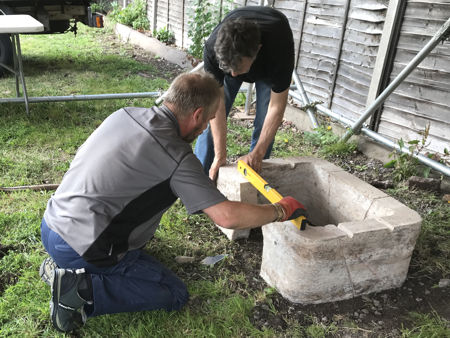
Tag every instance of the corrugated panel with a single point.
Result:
(162, 13)
(358, 56)
(319, 46)
(176, 20)
(423, 97)
(294, 12)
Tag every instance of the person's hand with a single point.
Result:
(292, 208)
(215, 166)
(253, 160)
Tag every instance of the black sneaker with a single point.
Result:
(46, 269)
(66, 305)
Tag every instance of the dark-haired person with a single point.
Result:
(109, 204)
(251, 44)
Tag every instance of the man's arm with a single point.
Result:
(238, 215)
(274, 117)
(219, 133)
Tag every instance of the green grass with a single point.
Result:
(38, 149)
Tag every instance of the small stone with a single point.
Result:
(380, 322)
(444, 283)
(418, 299)
(427, 292)
(376, 303)
(356, 314)
(324, 319)
(184, 259)
(366, 298)
(377, 313)
(431, 184)
(362, 316)
(365, 311)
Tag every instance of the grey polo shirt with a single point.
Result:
(130, 170)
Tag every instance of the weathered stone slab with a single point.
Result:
(364, 245)
(236, 188)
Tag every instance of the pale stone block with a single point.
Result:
(235, 187)
(368, 251)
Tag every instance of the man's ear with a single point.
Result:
(198, 115)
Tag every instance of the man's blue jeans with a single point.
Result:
(137, 283)
(204, 147)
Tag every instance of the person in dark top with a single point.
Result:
(251, 44)
(129, 171)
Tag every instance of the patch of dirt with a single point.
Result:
(6, 278)
(162, 68)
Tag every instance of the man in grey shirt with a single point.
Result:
(111, 200)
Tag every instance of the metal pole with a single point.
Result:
(425, 160)
(440, 34)
(81, 97)
(22, 78)
(305, 99)
(248, 99)
(377, 137)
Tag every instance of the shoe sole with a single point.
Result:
(43, 271)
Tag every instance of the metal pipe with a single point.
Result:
(379, 138)
(305, 99)
(428, 161)
(440, 34)
(81, 97)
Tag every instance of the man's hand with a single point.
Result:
(253, 159)
(292, 208)
(215, 166)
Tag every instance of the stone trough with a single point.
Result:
(363, 243)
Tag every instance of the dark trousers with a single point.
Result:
(137, 283)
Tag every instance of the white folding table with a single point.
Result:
(15, 25)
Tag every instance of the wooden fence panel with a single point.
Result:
(319, 46)
(358, 55)
(423, 97)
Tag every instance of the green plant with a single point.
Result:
(204, 18)
(328, 142)
(134, 15)
(426, 326)
(101, 6)
(405, 164)
(164, 35)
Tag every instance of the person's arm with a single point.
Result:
(240, 215)
(219, 133)
(274, 117)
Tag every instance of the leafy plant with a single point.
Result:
(102, 6)
(405, 164)
(329, 142)
(204, 18)
(134, 15)
(427, 325)
(164, 35)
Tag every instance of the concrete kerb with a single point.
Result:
(171, 54)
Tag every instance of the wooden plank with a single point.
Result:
(383, 49)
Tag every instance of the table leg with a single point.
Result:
(16, 65)
(22, 78)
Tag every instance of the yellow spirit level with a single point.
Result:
(264, 188)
